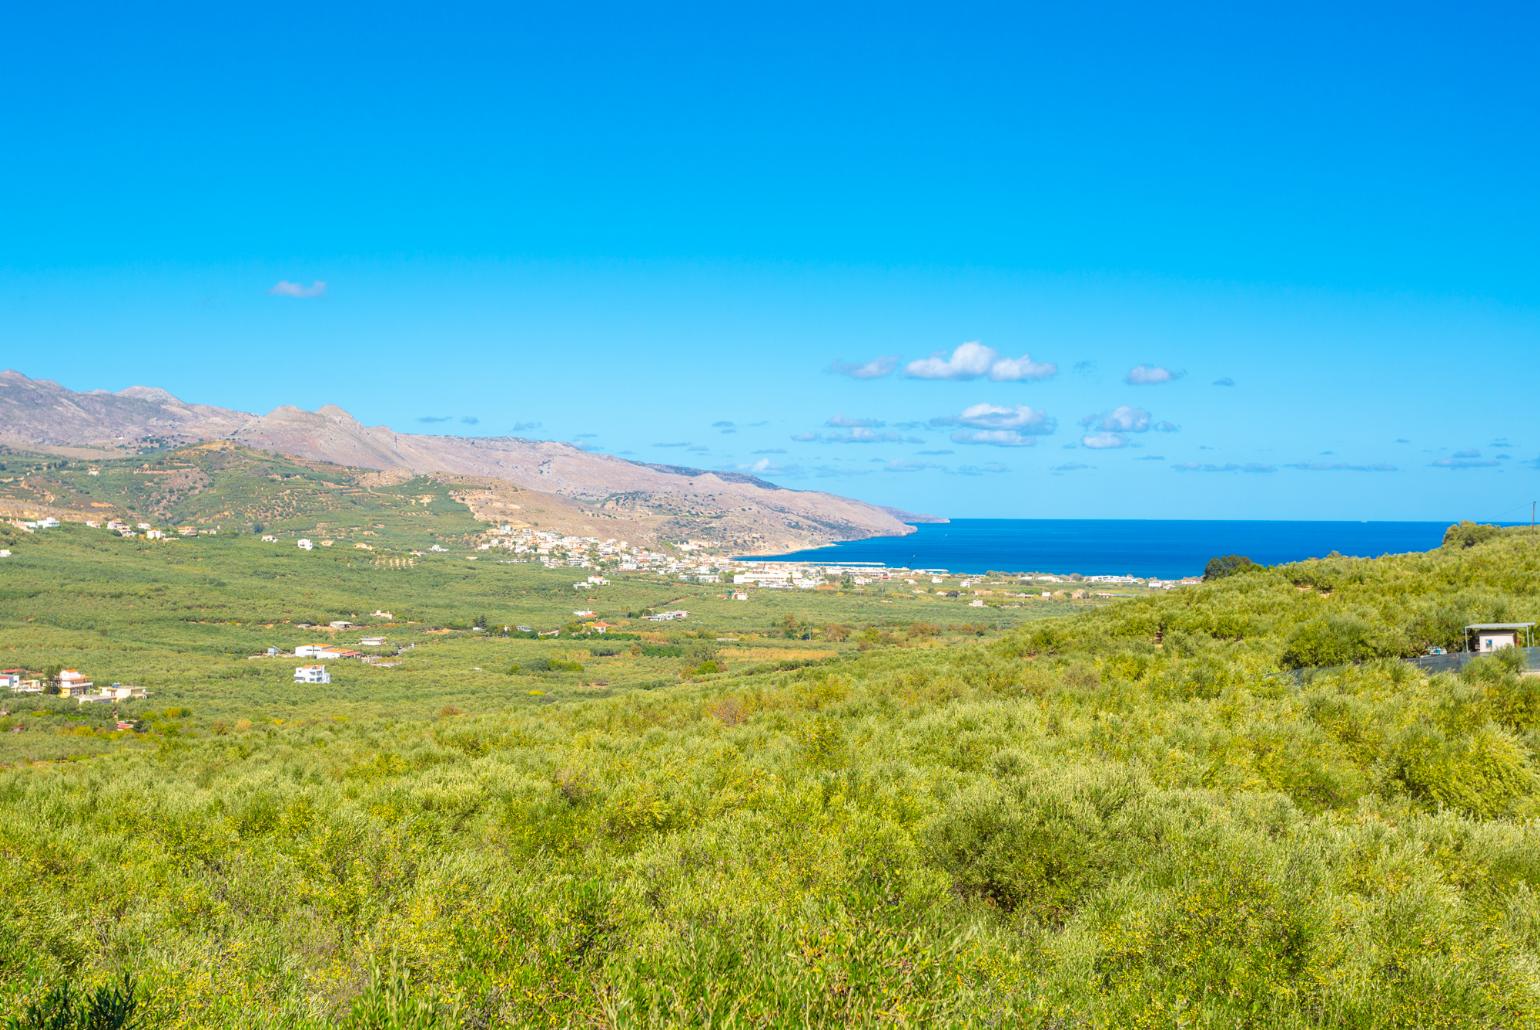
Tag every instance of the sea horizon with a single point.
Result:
(1146, 548)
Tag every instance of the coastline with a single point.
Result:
(1141, 548)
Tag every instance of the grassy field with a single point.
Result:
(191, 620)
(1140, 815)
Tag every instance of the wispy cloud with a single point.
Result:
(1249, 468)
(770, 450)
(520, 427)
(1069, 466)
(845, 422)
(873, 369)
(1125, 418)
(766, 467)
(673, 443)
(1337, 466)
(469, 420)
(857, 434)
(973, 360)
(913, 466)
(993, 437)
(724, 426)
(1462, 460)
(938, 453)
(1224, 381)
(284, 288)
(435, 418)
(1149, 375)
(1111, 428)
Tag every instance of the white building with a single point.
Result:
(312, 674)
(1487, 637)
(73, 683)
(305, 545)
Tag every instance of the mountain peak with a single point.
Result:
(149, 393)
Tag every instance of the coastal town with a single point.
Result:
(598, 563)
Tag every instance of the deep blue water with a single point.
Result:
(1136, 547)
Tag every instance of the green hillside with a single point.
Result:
(1158, 813)
(230, 488)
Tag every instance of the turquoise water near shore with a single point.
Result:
(1135, 547)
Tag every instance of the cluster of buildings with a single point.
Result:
(69, 683)
(316, 672)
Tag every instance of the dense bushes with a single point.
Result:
(1129, 818)
(1469, 534)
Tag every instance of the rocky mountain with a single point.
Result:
(644, 503)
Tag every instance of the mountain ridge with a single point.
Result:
(645, 501)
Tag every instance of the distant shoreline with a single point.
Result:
(1143, 548)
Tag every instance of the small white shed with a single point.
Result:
(1486, 637)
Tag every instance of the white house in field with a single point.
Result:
(312, 674)
(304, 544)
(316, 651)
(73, 683)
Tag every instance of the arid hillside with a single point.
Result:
(641, 502)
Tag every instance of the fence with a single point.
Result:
(1428, 663)
(1432, 663)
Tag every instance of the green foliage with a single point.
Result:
(109, 1006)
(1337, 638)
(1469, 534)
(1228, 565)
(546, 665)
(1220, 806)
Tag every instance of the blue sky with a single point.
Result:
(677, 235)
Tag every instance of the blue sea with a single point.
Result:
(1137, 547)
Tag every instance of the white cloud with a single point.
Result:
(1015, 370)
(1125, 418)
(284, 288)
(972, 360)
(1148, 375)
(1103, 441)
(844, 422)
(1002, 416)
(968, 361)
(857, 434)
(993, 437)
(873, 369)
